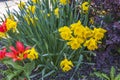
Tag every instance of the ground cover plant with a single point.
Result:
(60, 39)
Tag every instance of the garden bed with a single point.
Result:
(61, 39)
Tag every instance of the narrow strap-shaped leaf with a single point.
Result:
(105, 76)
(117, 77)
(112, 73)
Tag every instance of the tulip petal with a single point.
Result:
(2, 53)
(13, 50)
(3, 27)
(20, 46)
(28, 47)
(10, 55)
(4, 49)
(25, 56)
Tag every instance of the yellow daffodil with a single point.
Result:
(74, 43)
(98, 33)
(56, 12)
(87, 33)
(73, 26)
(2, 35)
(10, 24)
(64, 29)
(65, 35)
(77, 29)
(21, 5)
(30, 20)
(33, 20)
(66, 65)
(32, 9)
(48, 15)
(64, 2)
(32, 54)
(65, 32)
(27, 20)
(91, 44)
(35, 1)
(85, 7)
(92, 20)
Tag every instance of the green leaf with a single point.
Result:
(78, 65)
(79, 62)
(98, 74)
(5, 72)
(101, 75)
(105, 76)
(28, 67)
(108, 19)
(49, 73)
(112, 73)
(117, 77)
(46, 45)
(43, 73)
(118, 50)
(10, 76)
(13, 64)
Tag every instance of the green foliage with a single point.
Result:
(118, 50)
(108, 19)
(15, 70)
(111, 76)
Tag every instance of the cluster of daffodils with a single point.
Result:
(28, 18)
(21, 5)
(78, 35)
(66, 65)
(30, 8)
(7, 25)
(20, 52)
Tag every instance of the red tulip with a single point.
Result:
(2, 53)
(18, 53)
(3, 27)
